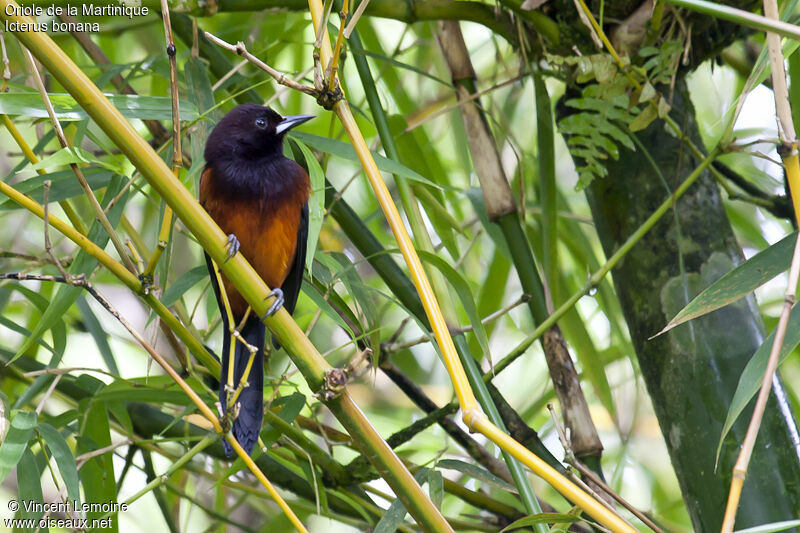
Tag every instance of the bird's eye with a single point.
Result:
(261, 123)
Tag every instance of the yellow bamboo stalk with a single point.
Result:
(475, 419)
(466, 398)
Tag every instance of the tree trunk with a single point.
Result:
(692, 371)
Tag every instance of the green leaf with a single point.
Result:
(64, 185)
(435, 486)
(545, 157)
(29, 487)
(97, 474)
(346, 151)
(63, 455)
(648, 92)
(770, 528)
(154, 389)
(16, 441)
(396, 512)
(475, 472)
(316, 204)
(315, 292)
(198, 87)
(402, 65)
(182, 284)
(739, 282)
(360, 292)
(460, 285)
(643, 119)
(541, 518)
(98, 333)
(290, 407)
(750, 380)
(75, 155)
(66, 108)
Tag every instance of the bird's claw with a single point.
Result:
(232, 244)
(277, 304)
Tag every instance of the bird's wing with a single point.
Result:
(291, 286)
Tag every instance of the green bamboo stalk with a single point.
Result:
(546, 160)
(305, 356)
(437, 280)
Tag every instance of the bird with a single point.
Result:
(259, 198)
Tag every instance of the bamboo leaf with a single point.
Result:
(402, 65)
(75, 155)
(29, 487)
(460, 285)
(63, 455)
(16, 441)
(290, 407)
(188, 280)
(750, 380)
(97, 474)
(83, 264)
(346, 151)
(475, 472)
(98, 333)
(739, 282)
(547, 183)
(772, 527)
(316, 203)
(66, 108)
(64, 185)
(541, 518)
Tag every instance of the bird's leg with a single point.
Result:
(277, 304)
(232, 244)
(243, 382)
(233, 394)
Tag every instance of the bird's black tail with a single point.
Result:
(247, 425)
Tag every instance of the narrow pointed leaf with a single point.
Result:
(16, 441)
(750, 381)
(64, 459)
(739, 282)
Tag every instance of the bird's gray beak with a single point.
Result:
(290, 122)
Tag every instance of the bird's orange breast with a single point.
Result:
(267, 231)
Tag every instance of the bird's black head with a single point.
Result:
(249, 132)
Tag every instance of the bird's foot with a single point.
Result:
(232, 244)
(277, 304)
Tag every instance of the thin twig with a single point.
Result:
(356, 15)
(81, 459)
(321, 30)
(333, 64)
(395, 347)
(48, 393)
(6, 69)
(569, 457)
(48, 248)
(240, 49)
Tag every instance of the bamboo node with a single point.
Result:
(329, 98)
(333, 384)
